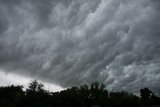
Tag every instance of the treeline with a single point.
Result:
(94, 95)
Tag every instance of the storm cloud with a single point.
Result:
(71, 42)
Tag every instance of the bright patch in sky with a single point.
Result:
(12, 79)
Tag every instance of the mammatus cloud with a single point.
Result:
(71, 42)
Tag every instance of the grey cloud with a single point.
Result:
(71, 42)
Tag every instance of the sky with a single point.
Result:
(12, 79)
(73, 42)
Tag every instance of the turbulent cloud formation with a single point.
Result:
(71, 42)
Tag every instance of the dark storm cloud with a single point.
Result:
(70, 42)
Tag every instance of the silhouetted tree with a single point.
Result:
(145, 93)
(35, 86)
(148, 97)
(36, 96)
(97, 92)
(145, 96)
(85, 93)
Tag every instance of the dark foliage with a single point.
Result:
(84, 96)
(11, 96)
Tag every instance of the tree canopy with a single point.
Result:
(94, 95)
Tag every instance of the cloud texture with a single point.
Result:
(71, 42)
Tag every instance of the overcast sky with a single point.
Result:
(72, 42)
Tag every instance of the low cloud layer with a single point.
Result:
(10, 79)
(71, 42)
